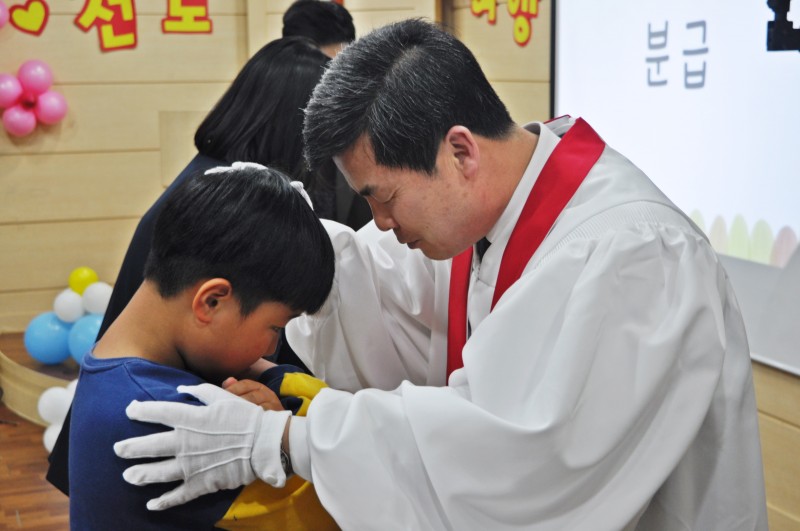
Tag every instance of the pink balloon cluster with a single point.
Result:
(27, 98)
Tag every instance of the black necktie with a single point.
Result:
(481, 247)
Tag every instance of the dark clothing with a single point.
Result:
(351, 208)
(334, 199)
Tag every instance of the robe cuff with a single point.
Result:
(298, 447)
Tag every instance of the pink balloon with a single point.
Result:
(19, 121)
(50, 107)
(35, 77)
(10, 90)
(3, 14)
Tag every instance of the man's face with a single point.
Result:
(426, 212)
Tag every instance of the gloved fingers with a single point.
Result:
(172, 414)
(161, 444)
(158, 472)
(177, 496)
(206, 393)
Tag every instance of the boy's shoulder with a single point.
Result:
(99, 496)
(142, 378)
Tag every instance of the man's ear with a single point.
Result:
(464, 148)
(209, 298)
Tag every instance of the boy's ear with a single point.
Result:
(464, 149)
(209, 297)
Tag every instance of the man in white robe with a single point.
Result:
(608, 387)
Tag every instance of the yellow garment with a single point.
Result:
(294, 507)
(302, 386)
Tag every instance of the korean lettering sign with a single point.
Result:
(522, 11)
(115, 20)
(693, 41)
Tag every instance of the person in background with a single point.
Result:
(327, 23)
(258, 119)
(236, 254)
(330, 25)
(529, 336)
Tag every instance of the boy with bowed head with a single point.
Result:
(259, 119)
(237, 253)
(589, 370)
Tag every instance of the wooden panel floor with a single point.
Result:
(27, 500)
(12, 344)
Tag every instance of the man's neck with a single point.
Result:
(504, 163)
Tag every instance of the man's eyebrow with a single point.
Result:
(367, 191)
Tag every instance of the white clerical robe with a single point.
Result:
(610, 388)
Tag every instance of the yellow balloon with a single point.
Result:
(82, 277)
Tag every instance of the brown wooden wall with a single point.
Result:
(519, 74)
(73, 192)
(778, 400)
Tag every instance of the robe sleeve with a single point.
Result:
(378, 326)
(579, 395)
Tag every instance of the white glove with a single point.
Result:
(222, 446)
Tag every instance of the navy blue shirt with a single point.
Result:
(99, 497)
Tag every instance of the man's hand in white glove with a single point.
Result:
(226, 444)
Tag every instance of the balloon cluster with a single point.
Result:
(71, 328)
(27, 98)
(53, 405)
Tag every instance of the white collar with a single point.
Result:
(501, 231)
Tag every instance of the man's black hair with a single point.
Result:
(323, 21)
(403, 85)
(249, 226)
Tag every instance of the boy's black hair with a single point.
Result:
(249, 226)
(403, 85)
(260, 116)
(323, 21)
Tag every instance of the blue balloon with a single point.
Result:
(83, 335)
(47, 339)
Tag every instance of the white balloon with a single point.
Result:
(96, 297)
(72, 385)
(50, 436)
(68, 306)
(53, 404)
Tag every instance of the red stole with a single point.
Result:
(562, 174)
